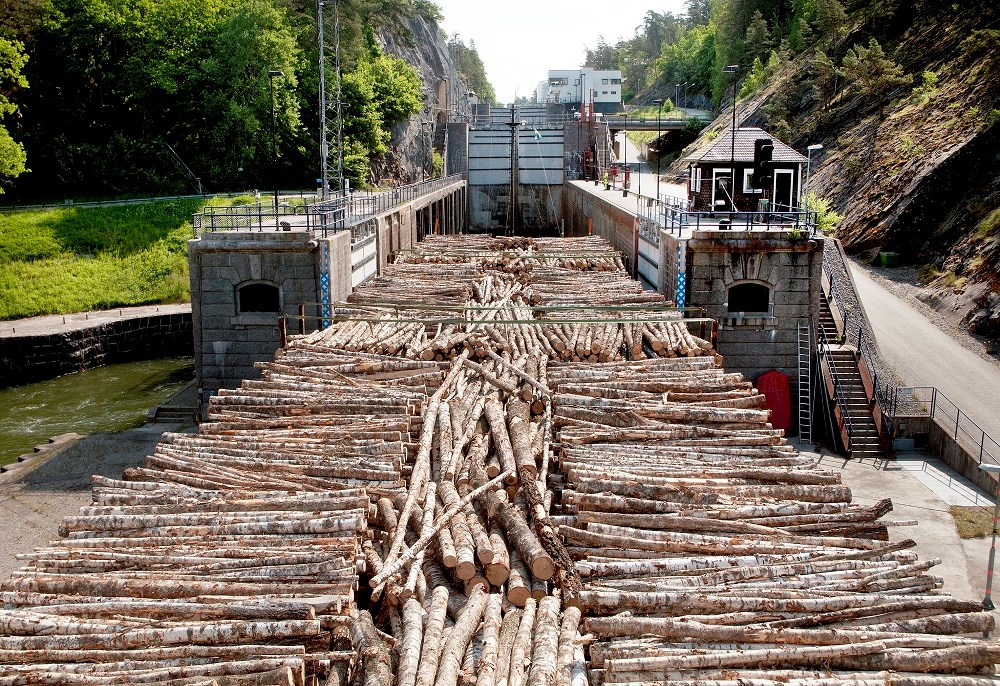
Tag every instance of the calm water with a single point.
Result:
(109, 398)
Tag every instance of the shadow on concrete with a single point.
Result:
(107, 454)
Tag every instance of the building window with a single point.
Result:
(695, 173)
(614, 92)
(748, 183)
(559, 81)
(616, 80)
(604, 92)
(258, 297)
(749, 298)
(604, 82)
(576, 82)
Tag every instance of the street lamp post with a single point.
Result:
(271, 75)
(987, 599)
(625, 151)
(805, 190)
(732, 69)
(659, 115)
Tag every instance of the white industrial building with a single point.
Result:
(573, 88)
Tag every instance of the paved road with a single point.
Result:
(645, 181)
(924, 355)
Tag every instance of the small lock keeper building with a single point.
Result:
(766, 169)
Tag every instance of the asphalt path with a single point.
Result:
(921, 354)
(644, 181)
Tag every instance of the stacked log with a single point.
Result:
(712, 553)
(233, 556)
(377, 508)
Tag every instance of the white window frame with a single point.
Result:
(716, 173)
(747, 188)
(694, 172)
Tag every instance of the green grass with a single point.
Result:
(73, 259)
(973, 522)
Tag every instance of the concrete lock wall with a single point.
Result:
(788, 265)
(26, 359)
(585, 212)
(227, 342)
(305, 268)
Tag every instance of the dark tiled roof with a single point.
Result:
(719, 150)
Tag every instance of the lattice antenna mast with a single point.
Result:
(338, 112)
(324, 152)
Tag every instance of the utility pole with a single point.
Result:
(324, 146)
(732, 69)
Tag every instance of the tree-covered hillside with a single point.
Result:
(95, 93)
(470, 65)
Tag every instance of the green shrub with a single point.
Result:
(852, 165)
(927, 89)
(826, 218)
(908, 148)
(989, 225)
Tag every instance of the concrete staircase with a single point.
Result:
(854, 405)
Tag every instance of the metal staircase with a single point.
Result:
(854, 408)
(805, 381)
(855, 405)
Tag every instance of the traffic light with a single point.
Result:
(763, 150)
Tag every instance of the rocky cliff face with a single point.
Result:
(922, 180)
(445, 94)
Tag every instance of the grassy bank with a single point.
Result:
(74, 259)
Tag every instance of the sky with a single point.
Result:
(520, 40)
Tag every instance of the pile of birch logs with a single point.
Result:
(517, 256)
(233, 556)
(377, 510)
(436, 313)
(712, 553)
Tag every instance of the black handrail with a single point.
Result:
(883, 389)
(838, 389)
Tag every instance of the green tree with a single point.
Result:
(758, 37)
(754, 80)
(824, 77)
(873, 71)
(698, 12)
(830, 16)
(470, 65)
(603, 56)
(253, 39)
(12, 156)
(380, 92)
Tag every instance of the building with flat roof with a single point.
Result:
(577, 88)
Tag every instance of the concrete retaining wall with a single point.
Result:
(25, 359)
(939, 439)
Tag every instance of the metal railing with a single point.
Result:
(838, 387)
(680, 220)
(337, 214)
(883, 387)
(928, 401)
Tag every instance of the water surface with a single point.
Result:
(111, 398)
